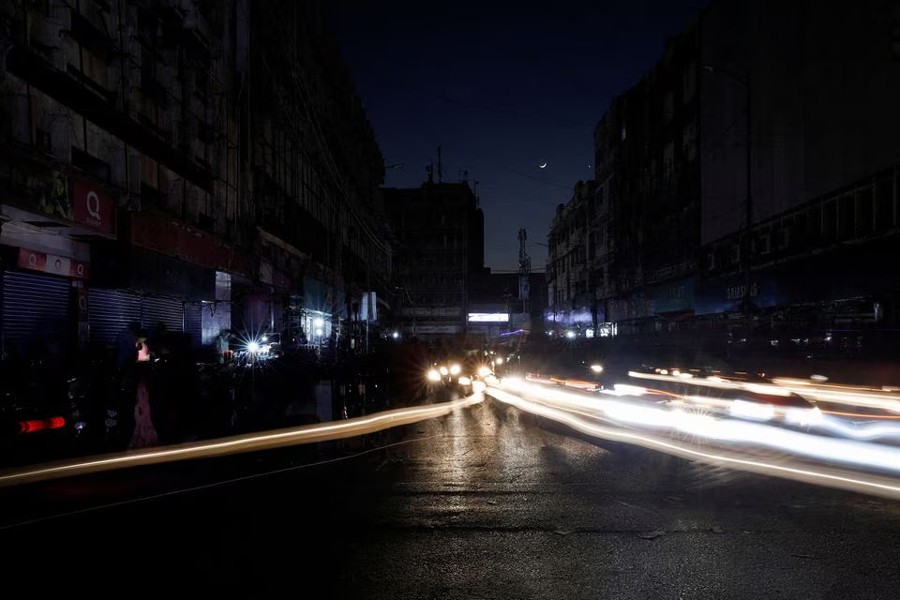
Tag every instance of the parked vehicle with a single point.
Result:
(36, 420)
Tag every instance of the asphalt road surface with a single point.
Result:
(487, 502)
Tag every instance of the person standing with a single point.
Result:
(119, 420)
(143, 432)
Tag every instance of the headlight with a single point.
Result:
(455, 369)
(484, 371)
(433, 375)
(443, 370)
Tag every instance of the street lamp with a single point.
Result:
(743, 79)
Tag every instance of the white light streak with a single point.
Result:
(820, 475)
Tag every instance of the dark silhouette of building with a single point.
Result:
(747, 181)
(440, 233)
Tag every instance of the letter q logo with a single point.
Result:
(93, 205)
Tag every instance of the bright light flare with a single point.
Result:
(433, 375)
(597, 368)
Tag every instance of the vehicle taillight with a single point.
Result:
(32, 425)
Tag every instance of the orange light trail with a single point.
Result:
(306, 434)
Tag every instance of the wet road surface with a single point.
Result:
(486, 502)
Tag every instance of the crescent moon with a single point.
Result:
(542, 166)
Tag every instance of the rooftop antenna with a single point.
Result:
(440, 166)
(429, 168)
(524, 271)
(524, 259)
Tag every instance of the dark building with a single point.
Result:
(440, 235)
(749, 178)
(203, 165)
(804, 101)
(570, 286)
(623, 249)
(311, 173)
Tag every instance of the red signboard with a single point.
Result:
(173, 238)
(50, 263)
(92, 207)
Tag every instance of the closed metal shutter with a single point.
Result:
(110, 312)
(193, 323)
(168, 311)
(34, 307)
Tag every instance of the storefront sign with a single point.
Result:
(50, 263)
(91, 206)
(674, 296)
(173, 238)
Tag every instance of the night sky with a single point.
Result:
(502, 90)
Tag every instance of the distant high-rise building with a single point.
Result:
(440, 247)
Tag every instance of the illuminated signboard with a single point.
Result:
(50, 263)
(488, 317)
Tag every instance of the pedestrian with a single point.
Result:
(143, 433)
(119, 421)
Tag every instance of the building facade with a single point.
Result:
(749, 180)
(168, 161)
(440, 236)
(625, 246)
(799, 199)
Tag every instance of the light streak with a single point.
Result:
(838, 478)
(724, 430)
(718, 383)
(306, 434)
(842, 394)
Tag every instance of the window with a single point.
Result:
(765, 242)
(668, 107)
(669, 160)
(689, 142)
(90, 164)
(884, 204)
(864, 211)
(784, 237)
(689, 82)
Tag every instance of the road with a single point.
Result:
(486, 502)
